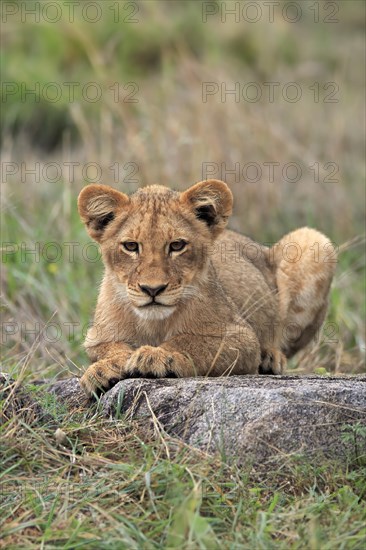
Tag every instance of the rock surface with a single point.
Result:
(249, 418)
(16, 400)
(243, 417)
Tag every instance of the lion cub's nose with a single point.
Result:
(153, 290)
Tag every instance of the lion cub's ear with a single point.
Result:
(98, 205)
(211, 201)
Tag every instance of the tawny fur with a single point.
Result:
(231, 306)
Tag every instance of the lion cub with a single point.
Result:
(182, 296)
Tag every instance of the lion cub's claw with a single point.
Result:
(273, 361)
(100, 377)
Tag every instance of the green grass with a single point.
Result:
(115, 484)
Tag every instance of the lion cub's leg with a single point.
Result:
(109, 360)
(273, 361)
(305, 262)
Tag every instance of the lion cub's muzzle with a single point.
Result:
(152, 295)
(153, 302)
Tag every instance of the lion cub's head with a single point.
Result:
(156, 243)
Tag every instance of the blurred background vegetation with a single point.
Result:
(157, 56)
(127, 488)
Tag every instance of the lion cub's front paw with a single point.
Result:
(150, 362)
(99, 377)
(273, 361)
(145, 362)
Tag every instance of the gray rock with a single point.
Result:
(69, 392)
(17, 400)
(249, 418)
(244, 418)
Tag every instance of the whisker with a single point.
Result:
(258, 302)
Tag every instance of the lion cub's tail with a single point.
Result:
(305, 262)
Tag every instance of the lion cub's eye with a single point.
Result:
(177, 246)
(131, 246)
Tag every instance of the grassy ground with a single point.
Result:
(112, 485)
(103, 484)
